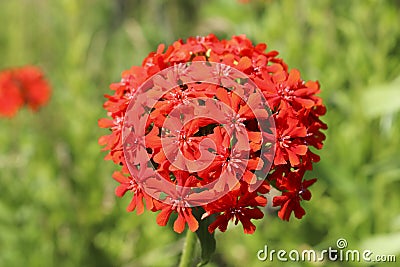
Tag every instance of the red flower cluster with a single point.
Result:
(25, 85)
(259, 140)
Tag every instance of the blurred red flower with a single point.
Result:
(11, 98)
(19, 86)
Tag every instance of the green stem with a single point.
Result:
(188, 249)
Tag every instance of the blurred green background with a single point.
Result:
(57, 203)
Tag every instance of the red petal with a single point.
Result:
(299, 212)
(293, 158)
(285, 211)
(255, 213)
(306, 195)
(119, 177)
(248, 226)
(133, 204)
(179, 224)
(244, 63)
(307, 183)
(294, 78)
(299, 149)
(279, 157)
(152, 140)
(191, 221)
(160, 48)
(307, 103)
(103, 140)
(105, 123)
(222, 95)
(249, 177)
(279, 200)
(121, 190)
(163, 216)
(221, 222)
(255, 164)
(149, 201)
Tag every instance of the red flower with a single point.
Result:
(11, 98)
(230, 162)
(130, 184)
(286, 90)
(294, 190)
(112, 141)
(185, 215)
(239, 205)
(289, 144)
(20, 86)
(207, 125)
(35, 87)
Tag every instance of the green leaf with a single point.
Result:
(162, 196)
(207, 240)
(385, 244)
(382, 100)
